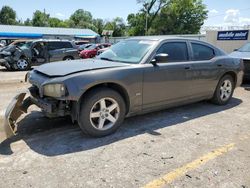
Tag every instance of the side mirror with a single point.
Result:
(160, 58)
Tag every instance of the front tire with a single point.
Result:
(22, 64)
(102, 112)
(224, 90)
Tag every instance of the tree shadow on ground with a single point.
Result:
(53, 137)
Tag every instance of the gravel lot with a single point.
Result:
(198, 145)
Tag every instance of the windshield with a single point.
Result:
(128, 51)
(21, 44)
(26, 45)
(245, 48)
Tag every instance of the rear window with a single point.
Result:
(202, 52)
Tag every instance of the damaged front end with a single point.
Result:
(19, 105)
(6, 59)
(16, 108)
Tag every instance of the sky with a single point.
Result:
(221, 12)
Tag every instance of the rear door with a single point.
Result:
(170, 81)
(205, 69)
(57, 50)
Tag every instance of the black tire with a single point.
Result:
(19, 67)
(68, 58)
(88, 104)
(218, 98)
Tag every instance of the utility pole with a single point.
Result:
(146, 28)
(45, 21)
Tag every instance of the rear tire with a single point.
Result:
(224, 90)
(68, 58)
(102, 112)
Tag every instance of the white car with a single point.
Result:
(244, 54)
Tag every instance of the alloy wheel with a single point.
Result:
(226, 90)
(104, 114)
(22, 64)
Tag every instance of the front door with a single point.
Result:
(171, 81)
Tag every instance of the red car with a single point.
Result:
(91, 51)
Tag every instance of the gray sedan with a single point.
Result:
(135, 76)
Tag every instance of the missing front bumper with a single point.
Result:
(16, 108)
(19, 105)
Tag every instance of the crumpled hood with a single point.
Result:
(9, 49)
(241, 55)
(64, 68)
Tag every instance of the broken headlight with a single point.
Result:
(54, 90)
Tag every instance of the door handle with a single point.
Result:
(219, 65)
(187, 68)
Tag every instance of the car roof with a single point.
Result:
(162, 37)
(156, 38)
(50, 40)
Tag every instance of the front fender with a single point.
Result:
(129, 80)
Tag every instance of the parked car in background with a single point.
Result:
(135, 76)
(102, 50)
(21, 56)
(244, 54)
(81, 42)
(91, 51)
(83, 47)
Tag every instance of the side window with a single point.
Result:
(66, 45)
(53, 45)
(59, 45)
(202, 52)
(177, 51)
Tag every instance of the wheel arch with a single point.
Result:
(231, 73)
(68, 56)
(111, 85)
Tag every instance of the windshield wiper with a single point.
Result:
(107, 59)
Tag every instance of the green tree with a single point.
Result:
(118, 27)
(99, 25)
(55, 22)
(7, 16)
(27, 22)
(167, 17)
(136, 23)
(40, 19)
(80, 18)
(140, 23)
(180, 17)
